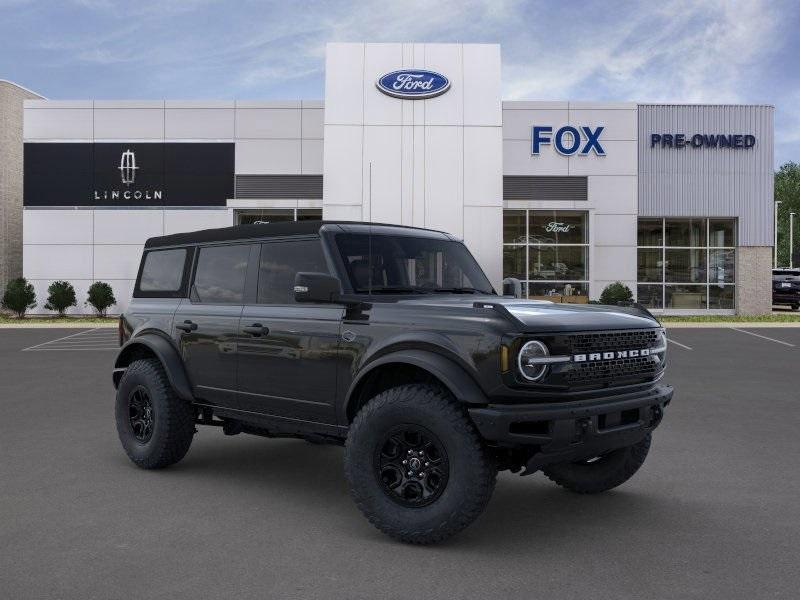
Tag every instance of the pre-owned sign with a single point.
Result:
(128, 174)
(702, 140)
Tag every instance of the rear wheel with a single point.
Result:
(600, 473)
(154, 425)
(417, 468)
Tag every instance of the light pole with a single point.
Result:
(777, 204)
(791, 239)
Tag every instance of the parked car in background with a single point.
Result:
(786, 288)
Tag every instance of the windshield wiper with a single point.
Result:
(459, 290)
(394, 289)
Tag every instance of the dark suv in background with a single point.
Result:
(786, 288)
(392, 342)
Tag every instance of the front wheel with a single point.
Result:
(600, 473)
(417, 468)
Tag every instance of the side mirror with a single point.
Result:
(316, 287)
(512, 287)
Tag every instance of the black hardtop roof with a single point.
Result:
(281, 229)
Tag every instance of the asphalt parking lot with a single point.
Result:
(714, 512)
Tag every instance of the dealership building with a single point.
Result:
(673, 200)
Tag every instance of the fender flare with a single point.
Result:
(165, 352)
(453, 376)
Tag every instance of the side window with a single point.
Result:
(162, 271)
(280, 262)
(220, 274)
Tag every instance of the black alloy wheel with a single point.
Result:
(411, 465)
(140, 414)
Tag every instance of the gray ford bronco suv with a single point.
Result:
(392, 342)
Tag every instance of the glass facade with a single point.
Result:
(548, 250)
(686, 264)
(276, 215)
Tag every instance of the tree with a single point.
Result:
(61, 295)
(787, 191)
(19, 297)
(616, 292)
(101, 297)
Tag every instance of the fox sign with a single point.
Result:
(568, 140)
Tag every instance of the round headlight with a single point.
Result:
(529, 360)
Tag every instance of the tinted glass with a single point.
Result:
(721, 266)
(685, 296)
(570, 292)
(650, 232)
(219, 277)
(163, 270)
(685, 232)
(559, 263)
(514, 262)
(721, 296)
(685, 266)
(649, 264)
(404, 264)
(280, 262)
(558, 227)
(266, 216)
(650, 296)
(721, 232)
(514, 227)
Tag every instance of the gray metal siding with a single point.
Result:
(709, 182)
(269, 187)
(523, 187)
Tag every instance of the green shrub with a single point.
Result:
(615, 293)
(60, 296)
(101, 297)
(19, 297)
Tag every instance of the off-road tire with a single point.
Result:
(471, 470)
(607, 472)
(172, 418)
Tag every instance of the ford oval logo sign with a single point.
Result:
(413, 84)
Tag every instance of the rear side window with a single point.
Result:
(163, 272)
(220, 274)
(280, 262)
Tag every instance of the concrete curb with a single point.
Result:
(728, 325)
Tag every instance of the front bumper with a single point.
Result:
(567, 431)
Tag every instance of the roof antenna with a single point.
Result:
(369, 245)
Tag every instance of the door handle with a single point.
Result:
(256, 329)
(186, 326)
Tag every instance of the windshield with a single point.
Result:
(382, 264)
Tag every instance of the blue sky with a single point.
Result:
(667, 50)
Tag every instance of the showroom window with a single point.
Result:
(548, 250)
(687, 264)
(277, 215)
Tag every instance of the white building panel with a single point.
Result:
(483, 166)
(444, 179)
(117, 261)
(380, 109)
(517, 124)
(481, 94)
(613, 263)
(344, 84)
(481, 225)
(179, 221)
(199, 123)
(126, 226)
(128, 123)
(615, 230)
(383, 185)
(313, 123)
(617, 124)
(264, 157)
(447, 109)
(343, 179)
(620, 159)
(67, 261)
(517, 160)
(614, 194)
(312, 157)
(57, 227)
(67, 124)
(268, 123)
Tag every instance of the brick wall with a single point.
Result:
(11, 101)
(753, 280)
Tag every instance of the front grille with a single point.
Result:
(616, 369)
(641, 367)
(583, 343)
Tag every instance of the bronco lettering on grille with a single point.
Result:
(596, 356)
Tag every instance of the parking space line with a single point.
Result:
(763, 337)
(684, 346)
(91, 339)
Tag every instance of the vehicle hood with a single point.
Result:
(542, 316)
